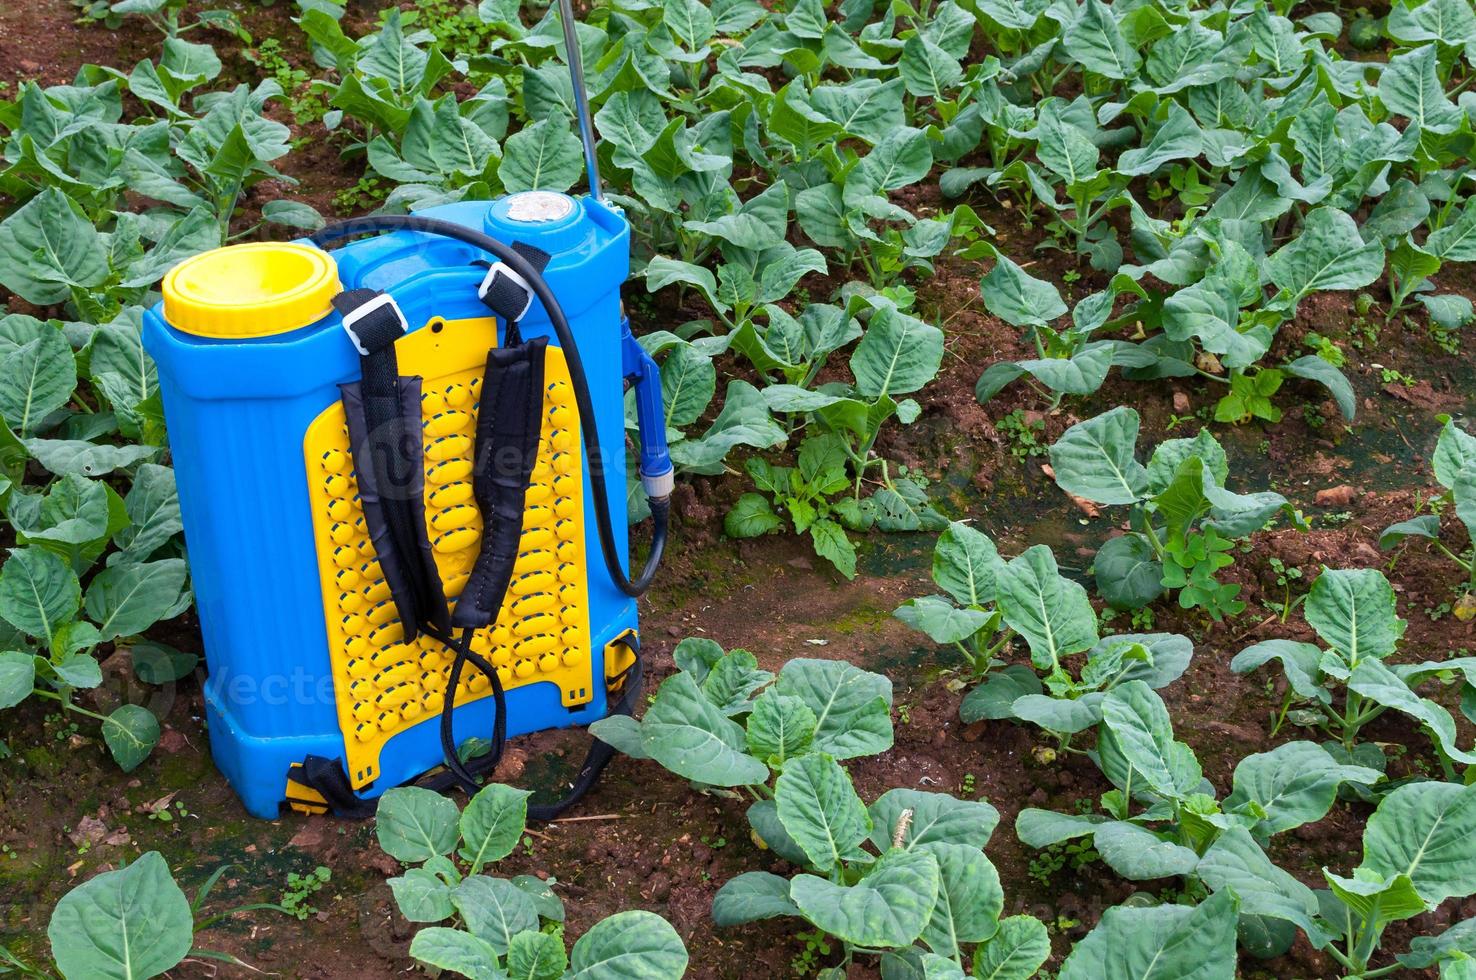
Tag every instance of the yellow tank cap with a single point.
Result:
(258, 289)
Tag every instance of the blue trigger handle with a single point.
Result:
(657, 473)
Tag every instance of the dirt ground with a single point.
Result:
(644, 838)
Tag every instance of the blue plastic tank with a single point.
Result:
(299, 645)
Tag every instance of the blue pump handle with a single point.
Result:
(657, 473)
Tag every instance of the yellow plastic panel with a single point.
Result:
(384, 686)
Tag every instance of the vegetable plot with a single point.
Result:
(903, 266)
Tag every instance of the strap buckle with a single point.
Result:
(351, 320)
(496, 292)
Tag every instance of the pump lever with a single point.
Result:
(581, 99)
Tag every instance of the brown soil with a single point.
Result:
(645, 839)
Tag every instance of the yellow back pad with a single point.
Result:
(383, 685)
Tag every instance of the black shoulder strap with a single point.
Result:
(383, 414)
(509, 422)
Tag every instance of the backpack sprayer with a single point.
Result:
(390, 520)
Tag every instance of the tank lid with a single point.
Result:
(551, 221)
(538, 207)
(258, 289)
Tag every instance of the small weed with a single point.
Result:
(1026, 437)
(807, 961)
(301, 888)
(362, 196)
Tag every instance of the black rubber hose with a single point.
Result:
(464, 655)
(660, 508)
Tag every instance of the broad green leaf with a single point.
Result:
(63, 456)
(733, 680)
(1178, 138)
(780, 727)
(1052, 613)
(897, 355)
(17, 677)
(1166, 942)
(1293, 784)
(1060, 715)
(966, 564)
(886, 909)
(632, 945)
(494, 909)
(536, 956)
(126, 599)
(1410, 86)
(936, 818)
(1455, 241)
(1314, 368)
(942, 621)
(688, 382)
(852, 707)
(689, 735)
(123, 925)
(928, 71)
(1128, 573)
(414, 825)
(48, 247)
(1455, 450)
(831, 542)
(821, 811)
(1353, 610)
(1236, 863)
(996, 697)
(131, 732)
(1299, 662)
(492, 824)
(1095, 41)
(1080, 374)
(690, 21)
(38, 592)
(758, 223)
(36, 379)
(1042, 828)
(422, 896)
(75, 519)
(1139, 854)
(1016, 952)
(622, 733)
(901, 159)
(152, 505)
(1328, 254)
(1424, 830)
(1094, 459)
(543, 156)
(1017, 297)
(1377, 683)
(1064, 148)
(1141, 731)
(751, 896)
(1425, 526)
(970, 898)
(457, 951)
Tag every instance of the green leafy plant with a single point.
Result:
(991, 601)
(1353, 612)
(135, 922)
(1184, 520)
(923, 891)
(1454, 465)
(507, 926)
(723, 722)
